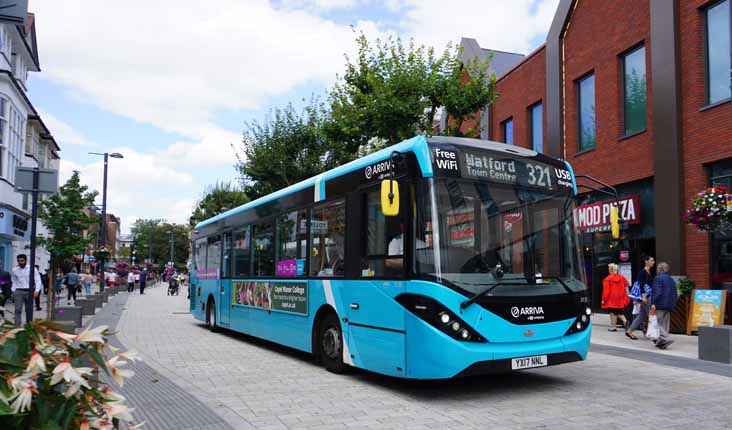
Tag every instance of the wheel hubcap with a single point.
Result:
(331, 343)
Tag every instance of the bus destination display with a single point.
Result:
(500, 168)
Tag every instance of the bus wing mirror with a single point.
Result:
(389, 197)
(614, 222)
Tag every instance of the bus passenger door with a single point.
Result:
(225, 282)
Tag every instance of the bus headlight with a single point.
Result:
(438, 316)
(581, 322)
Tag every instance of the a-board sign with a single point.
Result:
(707, 309)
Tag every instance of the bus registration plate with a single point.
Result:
(528, 362)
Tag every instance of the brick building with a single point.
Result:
(636, 93)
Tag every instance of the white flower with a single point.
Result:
(72, 389)
(65, 371)
(36, 363)
(92, 335)
(136, 426)
(119, 375)
(131, 355)
(112, 396)
(22, 399)
(121, 412)
(68, 337)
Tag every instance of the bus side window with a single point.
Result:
(384, 240)
(264, 249)
(213, 260)
(200, 254)
(292, 244)
(242, 253)
(327, 234)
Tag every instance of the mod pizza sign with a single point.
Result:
(596, 216)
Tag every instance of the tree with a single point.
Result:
(391, 92)
(63, 214)
(216, 199)
(287, 147)
(160, 232)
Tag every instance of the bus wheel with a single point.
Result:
(211, 316)
(330, 344)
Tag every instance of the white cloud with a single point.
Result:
(61, 131)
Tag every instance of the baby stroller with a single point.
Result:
(173, 286)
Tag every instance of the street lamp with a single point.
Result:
(103, 227)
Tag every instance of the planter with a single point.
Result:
(680, 315)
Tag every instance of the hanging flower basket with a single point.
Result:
(102, 253)
(711, 210)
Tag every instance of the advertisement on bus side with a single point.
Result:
(276, 296)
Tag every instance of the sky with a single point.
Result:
(170, 84)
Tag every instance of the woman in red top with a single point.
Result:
(615, 296)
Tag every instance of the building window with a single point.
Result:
(586, 112)
(634, 91)
(507, 127)
(718, 53)
(536, 129)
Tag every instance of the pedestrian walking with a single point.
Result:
(130, 282)
(59, 287)
(20, 278)
(615, 296)
(663, 302)
(88, 279)
(143, 280)
(640, 295)
(73, 282)
(39, 288)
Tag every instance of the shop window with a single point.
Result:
(291, 244)
(383, 240)
(242, 253)
(263, 249)
(634, 91)
(507, 127)
(721, 258)
(718, 52)
(536, 128)
(586, 112)
(327, 238)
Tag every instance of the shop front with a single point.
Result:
(720, 175)
(14, 226)
(592, 218)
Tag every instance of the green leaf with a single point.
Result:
(97, 357)
(5, 409)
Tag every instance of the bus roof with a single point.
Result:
(418, 145)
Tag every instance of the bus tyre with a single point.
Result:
(211, 316)
(330, 344)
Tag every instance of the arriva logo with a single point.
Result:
(529, 310)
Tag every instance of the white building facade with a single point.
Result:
(24, 141)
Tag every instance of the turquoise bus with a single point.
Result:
(434, 258)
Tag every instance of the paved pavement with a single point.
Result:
(254, 384)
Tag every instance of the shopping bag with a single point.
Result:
(653, 332)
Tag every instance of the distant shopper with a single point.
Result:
(640, 294)
(87, 280)
(72, 281)
(6, 290)
(20, 277)
(663, 301)
(143, 280)
(39, 288)
(130, 282)
(615, 296)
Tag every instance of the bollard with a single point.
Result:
(105, 296)
(70, 314)
(715, 343)
(87, 305)
(97, 299)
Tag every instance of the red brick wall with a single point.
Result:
(516, 91)
(707, 135)
(598, 32)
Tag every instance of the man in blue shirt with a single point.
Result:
(663, 301)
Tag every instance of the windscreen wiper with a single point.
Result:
(490, 288)
(556, 278)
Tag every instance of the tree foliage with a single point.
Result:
(215, 200)
(285, 148)
(63, 214)
(159, 230)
